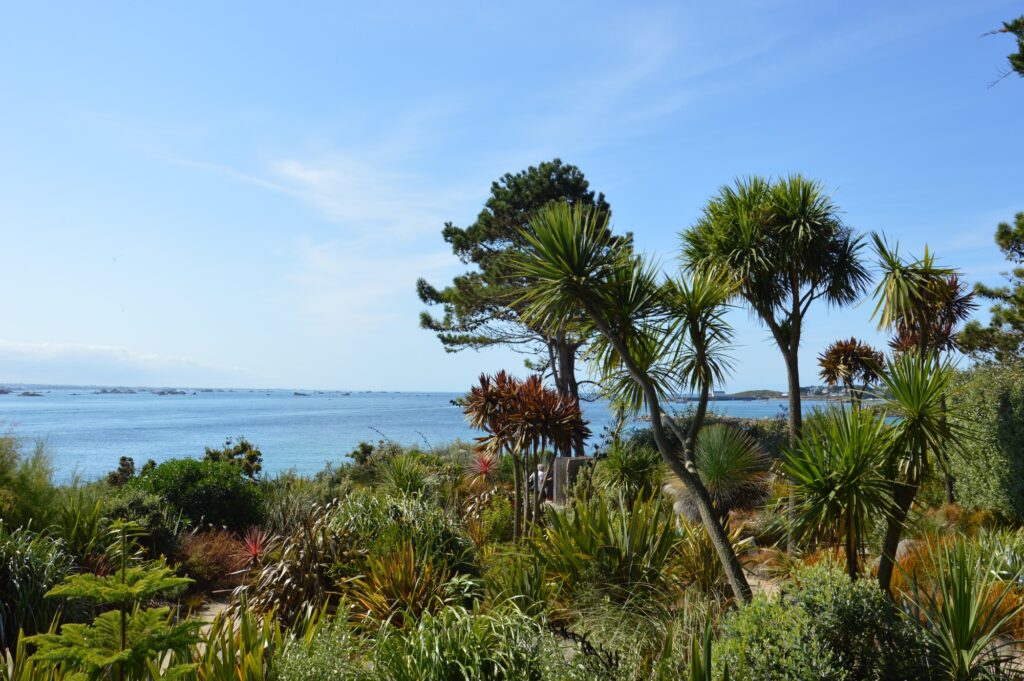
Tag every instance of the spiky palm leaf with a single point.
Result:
(839, 477)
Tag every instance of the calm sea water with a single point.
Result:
(86, 433)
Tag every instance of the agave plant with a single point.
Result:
(965, 616)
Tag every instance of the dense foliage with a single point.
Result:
(989, 470)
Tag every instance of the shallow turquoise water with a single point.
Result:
(86, 433)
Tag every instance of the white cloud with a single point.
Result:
(54, 362)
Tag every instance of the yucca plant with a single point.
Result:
(733, 466)
(405, 475)
(964, 616)
(840, 477)
(918, 389)
(851, 363)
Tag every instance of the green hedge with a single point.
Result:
(989, 472)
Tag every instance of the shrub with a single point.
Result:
(857, 623)
(30, 565)
(381, 524)
(207, 492)
(81, 521)
(332, 653)
(289, 499)
(989, 472)
(26, 487)
(455, 644)
(239, 452)
(162, 526)
(213, 559)
(772, 639)
(616, 550)
(631, 472)
(405, 475)
(822, 626)
(497, 519)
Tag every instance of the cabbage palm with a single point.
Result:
(917, 389)
(922, 303)
(840, 480)
(849, 362)
(786, 246)
(574, 268)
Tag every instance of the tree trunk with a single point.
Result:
(565, 379)
(716, 531)
(904, 499)
(796, 423)
(517, 483)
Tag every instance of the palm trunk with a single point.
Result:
(903, 501)
(716, 531)
(795, 426)
(517, 517)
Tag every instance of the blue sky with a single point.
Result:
(243, 194)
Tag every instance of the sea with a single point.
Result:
(87, 430)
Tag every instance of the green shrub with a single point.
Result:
(857, 622)
(457, 645)
(772, 639)
(497, 520)
(30, 565)
(331, 654)
(26, 484)
(619, 551)
(406, 475)
(216, 493)
(289, 498)
(162, 525)
(631, 472)
(821, 626)
(381, 524)
(989, 472)
(81, 521)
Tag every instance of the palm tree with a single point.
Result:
(574, 268)
(922, 304)
(849, 362)
(917, 389)
(838, 472)
(785, 245)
